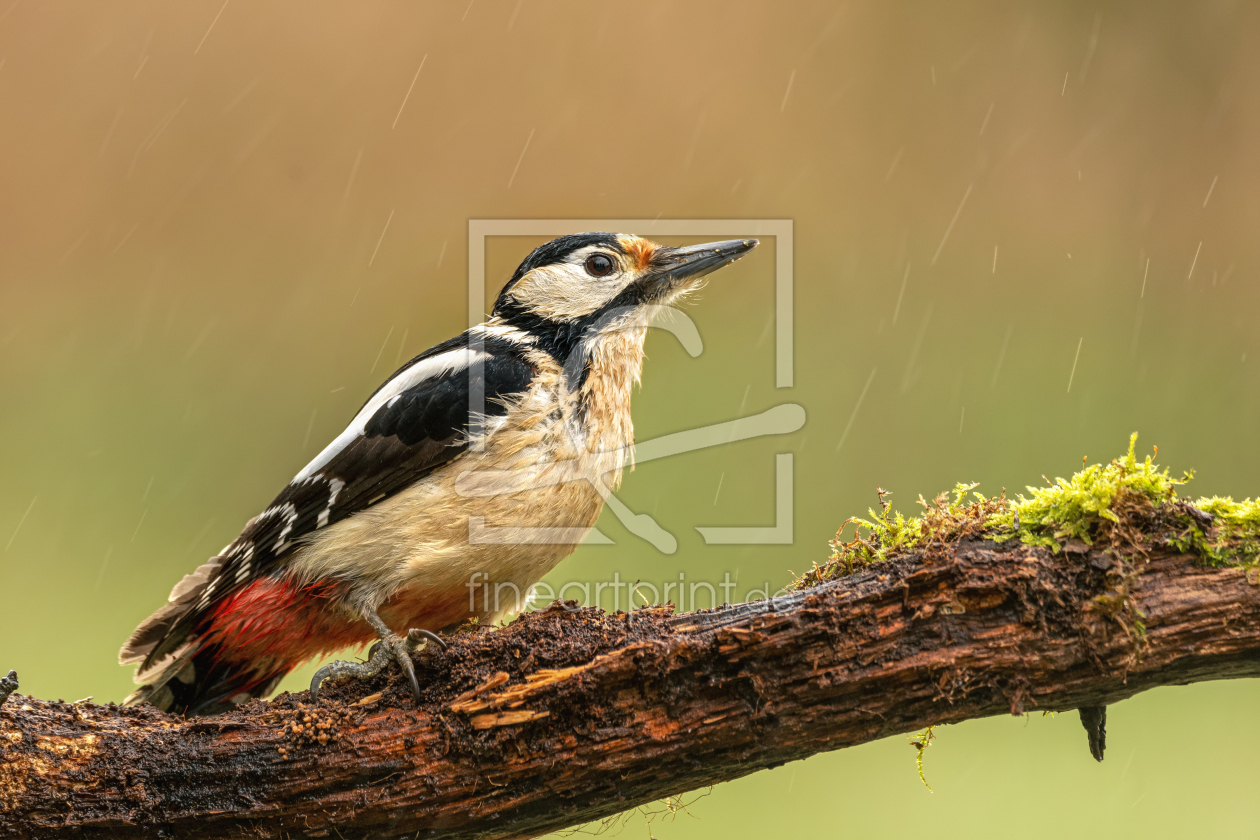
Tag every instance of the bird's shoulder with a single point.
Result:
(417, 420)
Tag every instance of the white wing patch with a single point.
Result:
(334, 487)
(290, 514)
(498, 329)
(208, 593)
(243, 571)
(452, 360)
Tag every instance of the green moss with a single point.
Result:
(889, 532)
(1129, 505)
(1076, 508)
(921, 741)
(1233, 539)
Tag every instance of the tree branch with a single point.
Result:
(568, 716)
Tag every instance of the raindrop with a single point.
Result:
(138, 524)
(377, 360)
(109, 134)
(236, 100)
(1076, 359)
(306, 438)
(856, 408)
(402, 345)
(900, 294)
(21, 521)
(516, 168)
(354, 170)
(909, 376)
(205, 333)
(987, 114)
(205, 529)
(1001, 356)
(378, 244)
(212, 23)
(952, 222)
(100, 576)
(412, 85)
(892, 167)
(786, 93)
(1093, 45)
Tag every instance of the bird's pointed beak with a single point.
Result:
(695, 261)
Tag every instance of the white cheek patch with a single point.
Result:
(566, 292)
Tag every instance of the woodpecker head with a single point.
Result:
(575, 289)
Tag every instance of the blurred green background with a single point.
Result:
(222, 226)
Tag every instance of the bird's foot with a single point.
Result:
(391, 648)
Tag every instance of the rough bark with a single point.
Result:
(569, 716)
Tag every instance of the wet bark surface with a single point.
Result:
(570, 715)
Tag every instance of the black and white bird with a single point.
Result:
(517, 428)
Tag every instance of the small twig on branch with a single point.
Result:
(8, 685)
(1094, 719)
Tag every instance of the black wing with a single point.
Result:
(415, 422)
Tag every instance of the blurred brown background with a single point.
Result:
(221, 227)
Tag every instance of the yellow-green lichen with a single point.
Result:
(1129, 504)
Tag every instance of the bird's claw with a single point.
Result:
(391, 648)
(416, 636)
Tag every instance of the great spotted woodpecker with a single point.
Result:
(521, 424)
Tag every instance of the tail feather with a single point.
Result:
(167, 629)
(200, 682)
(179, 670)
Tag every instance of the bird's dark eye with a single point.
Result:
(599, 265)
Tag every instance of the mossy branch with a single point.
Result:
(569, 715)
(1125, 506)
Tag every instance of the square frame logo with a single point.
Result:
(781, 419)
